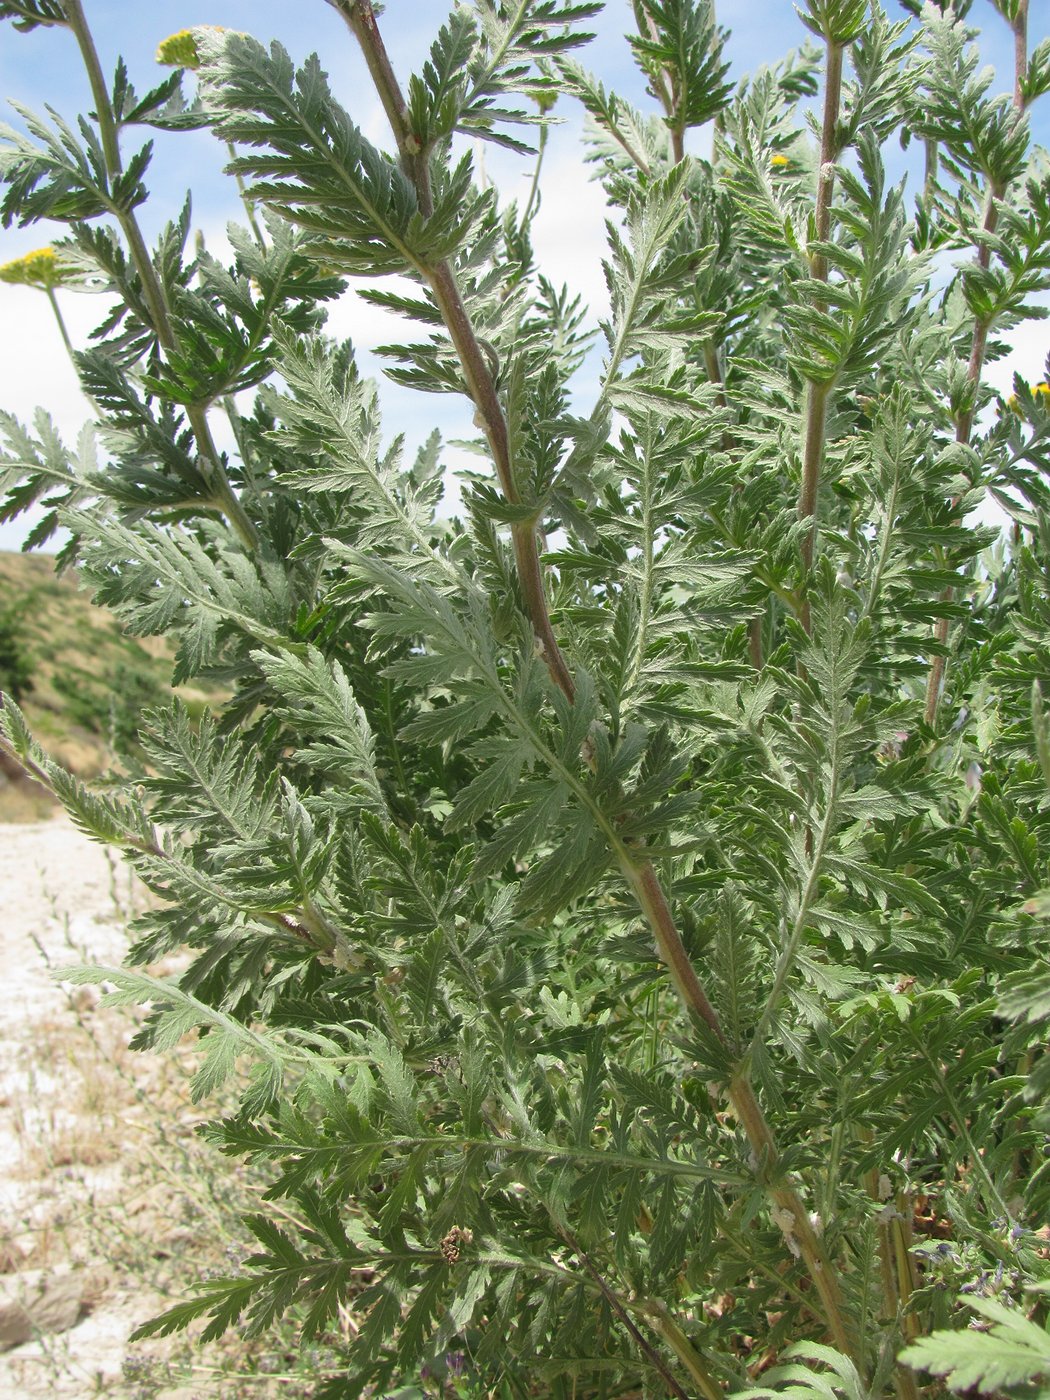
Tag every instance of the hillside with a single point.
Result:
(80, 679)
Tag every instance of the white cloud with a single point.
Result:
(35, 370)
(1029, 347)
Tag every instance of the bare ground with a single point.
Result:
(63, 1120)
(101, 1174)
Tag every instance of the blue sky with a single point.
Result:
(44, 67)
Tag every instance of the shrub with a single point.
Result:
(628, 894)
(112, 705)
(16, 669)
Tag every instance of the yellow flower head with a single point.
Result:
(1039, 391)
(779, 161)
(180, 50)
(40, 268)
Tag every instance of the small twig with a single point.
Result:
(532, 204)
(249, 204)
(60, 321)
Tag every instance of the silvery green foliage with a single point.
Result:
(413, 866)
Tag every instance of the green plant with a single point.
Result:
(112, 704)
(16, 668)
(612, 889)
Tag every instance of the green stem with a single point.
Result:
(619, 1308)
(791, 1214)
(961, 1122)
(815, 415)
(789, 953)
(963, 428)
(249, 204)
(636, 867)
(223, 494)
(683, 1349)
(964, 422)
(817, 395)
(713, 366)
(885, 542)
(929, 183)
(532, 203)
(61, 325)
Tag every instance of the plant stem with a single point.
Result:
(683, 1349)
(224, 498)
(663, 86)
(477, 371)
(713, 367)
(964, 421)
(828, 151)
(746, 1106)
(817, 395)
(929, 183)
(800, 1236)
(636, 866)
(963, 428)
(249, 205)
(1020, 28)
(532, 203)
(816, 416)
(61, 324)
(895, 1272)
(653, 902)
(616, 1304)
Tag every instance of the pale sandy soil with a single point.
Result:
(102, 1172)
(65, 1123)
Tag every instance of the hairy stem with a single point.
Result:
(223, 498)
(663, 85)
(963, 428)
(477, 370)
(816, 417)
(817, 395)
(896, 1276)
(618, 1307)
(964, 421)
(712, 365)
(933, 160)
(1020, 28)
(683, 1349)
(790, 1212)
(532, 204)
(800, 1234)
(249, 204)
